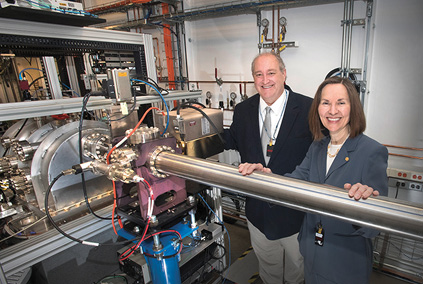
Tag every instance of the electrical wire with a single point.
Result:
(35, 80)
(56, 226)
(81, 159)
(227, 233)
(23, 70)
(158, 92)
(69, 88)
(150, 208)
(185, 105)
(108, 162)
(16, 135)
(155, 84)
(48, 211)
(83, 182)
(132, 249)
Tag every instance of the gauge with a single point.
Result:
(233, 96)
(265, 22)
(282, 21)
(208, 94)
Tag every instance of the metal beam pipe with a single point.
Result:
(381, 213)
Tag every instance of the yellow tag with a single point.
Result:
(270, 143)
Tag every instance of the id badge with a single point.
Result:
(269, 150)
(319, 235)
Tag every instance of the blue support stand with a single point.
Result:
(164, 269)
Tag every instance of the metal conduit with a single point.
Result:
(381, 213)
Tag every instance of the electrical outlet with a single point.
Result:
(393, 182)
(415, 186)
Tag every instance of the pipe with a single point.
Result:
(403, 147)
(363, 88)
(382, 213)
(344, 38)
(350, 26)
(406, 156)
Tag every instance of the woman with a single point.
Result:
(335, 251)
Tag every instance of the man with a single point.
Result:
(286, 139)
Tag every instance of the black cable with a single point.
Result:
(16, 135)
(184, 105)
(396, 194)
(48, 212)
(155, 84)
(190, 103)
(84, 108)
(28, 75)
(53, 223)
(337, 72)
(224, 252)
(81, 160)
(33, 81)
(20, 128)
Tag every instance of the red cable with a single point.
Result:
(108, 162)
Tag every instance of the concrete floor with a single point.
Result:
(244, 264)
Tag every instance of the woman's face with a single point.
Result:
(334, 110)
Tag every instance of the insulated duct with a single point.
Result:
(381, 213)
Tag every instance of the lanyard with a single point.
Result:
(273, 138)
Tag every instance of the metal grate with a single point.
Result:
(399, 256)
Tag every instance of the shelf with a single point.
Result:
(35, 15)
(20, 110)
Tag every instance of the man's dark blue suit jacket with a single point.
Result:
(291, 146)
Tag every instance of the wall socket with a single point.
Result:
(415, 186)
(405, 184)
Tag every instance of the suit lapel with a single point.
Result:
(344, 154)
(321, 159)
(290, 115)
(252, 118)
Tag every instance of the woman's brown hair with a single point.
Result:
(357, 118)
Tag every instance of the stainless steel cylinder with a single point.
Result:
(382, 213)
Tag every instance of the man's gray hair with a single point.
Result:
(272, 53)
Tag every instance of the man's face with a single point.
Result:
(268, 78)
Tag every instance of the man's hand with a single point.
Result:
(247, 169)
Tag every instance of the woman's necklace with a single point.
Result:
(332, 155)
(339, 146)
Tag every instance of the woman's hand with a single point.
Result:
(360, 191)
(247, 169)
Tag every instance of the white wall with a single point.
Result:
(230, 44)
(394, 103)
